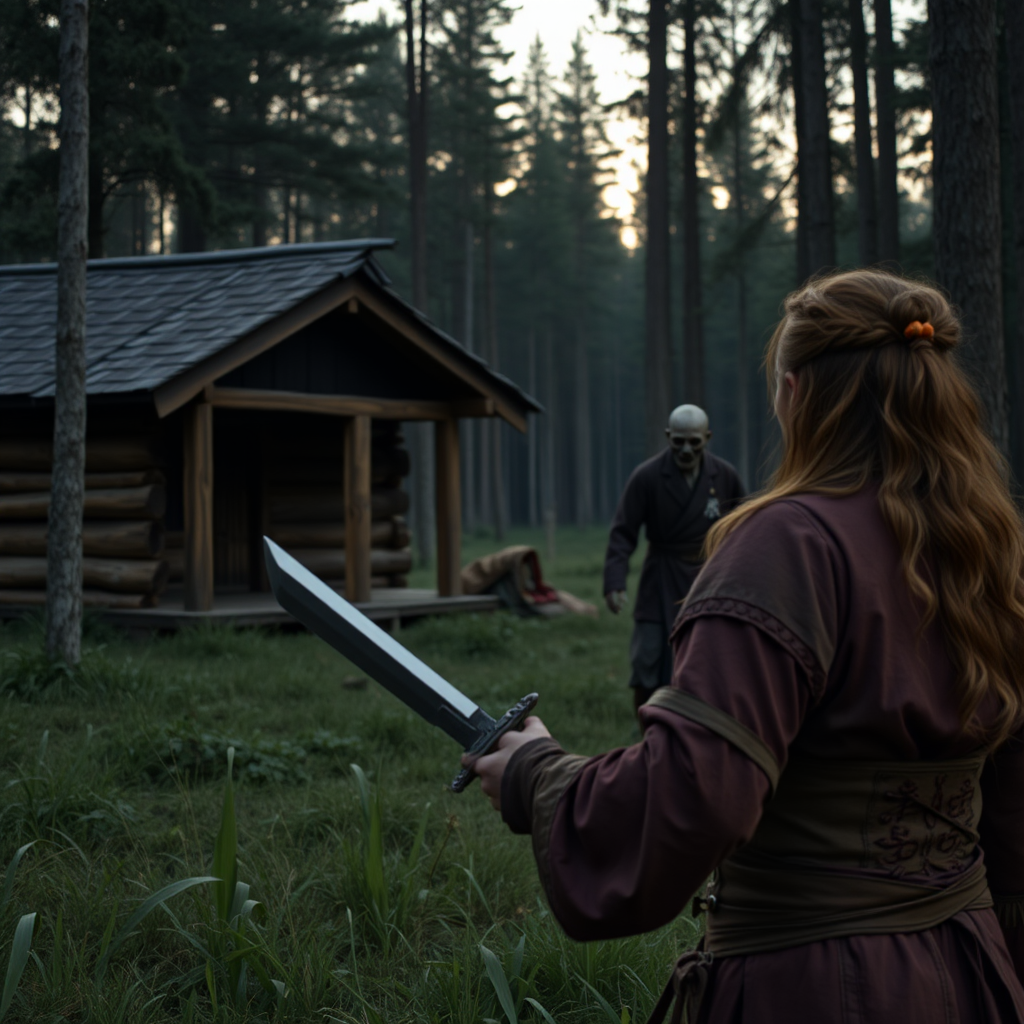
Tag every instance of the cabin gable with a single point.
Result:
(343, 353)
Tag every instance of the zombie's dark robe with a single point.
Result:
(799, 645)
(676, 518)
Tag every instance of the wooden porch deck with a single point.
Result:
(387, 607)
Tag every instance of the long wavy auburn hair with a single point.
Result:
(872, 406)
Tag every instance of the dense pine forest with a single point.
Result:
(778, 138)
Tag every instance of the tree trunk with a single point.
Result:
(259, 205)
(551, 403)
(584, 459)
(64, 550)
(416, 88)
(94, 215)
(796, 70)
(813, 144)
(867, 221)
(416, 78)
(470, 446)
(693, 318)
(658, 347)
(192, 228)
(1013, 20)
(495, 471)
(739, 199)
(885, 118)
(26, 139)
(620, 471)
(532, 479)
(965, 176)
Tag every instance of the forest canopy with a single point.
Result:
(777, 138)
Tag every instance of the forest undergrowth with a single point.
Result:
(227, 825)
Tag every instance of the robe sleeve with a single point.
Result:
(629, 517)
(1002, 840)
(624, 840)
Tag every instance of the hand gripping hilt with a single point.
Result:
(486, 742)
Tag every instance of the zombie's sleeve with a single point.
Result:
(625, 839)
(1002, 839)
(738, 491)
(629, 517)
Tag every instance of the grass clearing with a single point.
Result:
(359, 894)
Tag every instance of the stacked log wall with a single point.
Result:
(123, 536)
(305, 505)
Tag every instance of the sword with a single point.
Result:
(325, 612)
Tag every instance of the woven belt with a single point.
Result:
(684, 552)
(843, 848)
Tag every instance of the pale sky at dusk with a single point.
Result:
(557, 21)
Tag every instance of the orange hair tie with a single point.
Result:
(916, 329)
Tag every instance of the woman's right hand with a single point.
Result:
(491, 767)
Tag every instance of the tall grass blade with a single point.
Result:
(211, 987)
(476, 887)
(74, 846)
(20, 950)
(150, 903)
(108, 932)
(241, 906)
(364, 791)
(9, 877)
(225, 851)
(373, 852)
(277, 990)
(517, 957)
(540, 1009)
(417, 843)
(57, 970)
(602, 1002)
(500, 984)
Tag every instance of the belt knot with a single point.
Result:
(685, 989)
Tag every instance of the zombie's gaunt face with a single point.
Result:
(687, 446)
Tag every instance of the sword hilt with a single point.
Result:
(487, 741)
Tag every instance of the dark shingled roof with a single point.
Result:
(150, 318)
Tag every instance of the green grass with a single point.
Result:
(360, 895)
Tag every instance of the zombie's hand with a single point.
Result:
(616, 601)
(491, 767)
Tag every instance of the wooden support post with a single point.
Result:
(258, 522)
(449, 509)
(198, 493)
(357, 509)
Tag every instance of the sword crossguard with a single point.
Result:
(487, 741)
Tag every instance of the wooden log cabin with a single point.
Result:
(231, 395)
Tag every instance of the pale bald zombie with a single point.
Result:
(676, 497)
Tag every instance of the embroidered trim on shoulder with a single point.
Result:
(768, 624)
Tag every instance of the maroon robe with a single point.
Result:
(802, 628)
